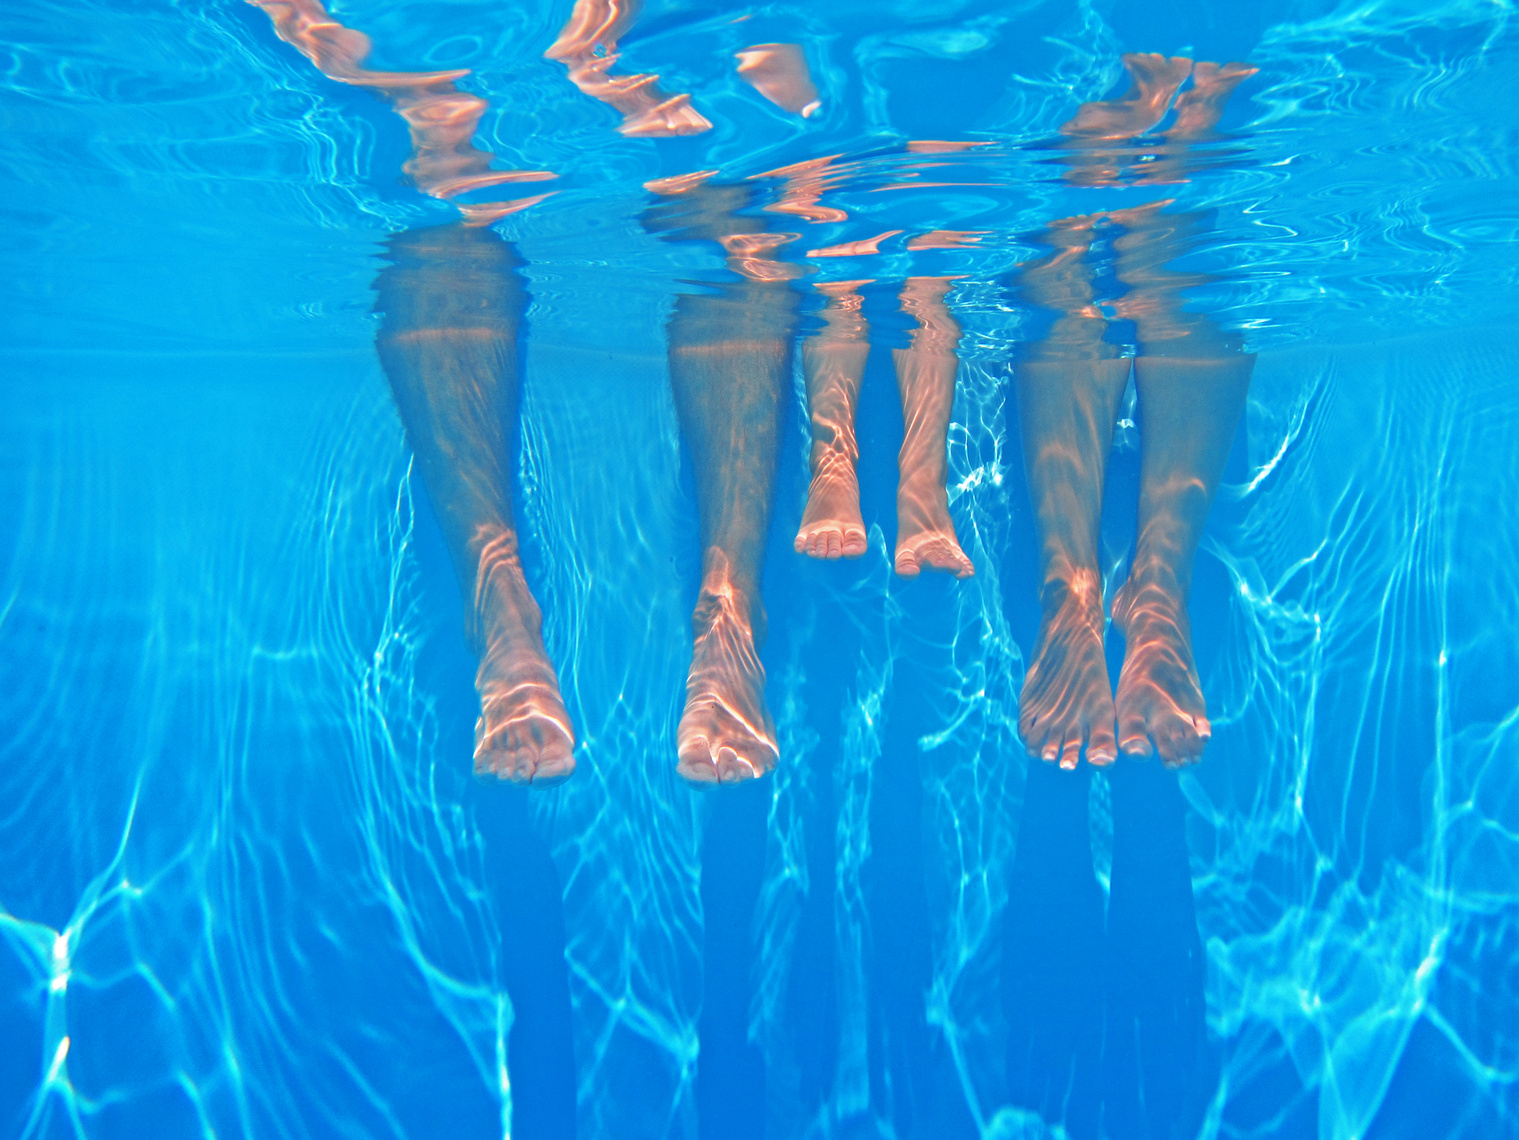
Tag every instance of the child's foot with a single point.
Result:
(725, 733)
(523, 734)
(1067, 700)
(832, 526)
(1160, 701)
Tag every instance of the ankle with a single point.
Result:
(832, 461)
(1156, 577)
(503, 608)
(1148, 599)
(1078, 588)
(725, 595)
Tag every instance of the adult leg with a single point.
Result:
(1068, 390)
(926, 380)
(730, 361)
(834, 360)
(452, 304)
(1192, 378)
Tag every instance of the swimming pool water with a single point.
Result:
(248, 883)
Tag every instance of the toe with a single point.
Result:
(732, 767)
(1028, 732)
(907, 564)
(1049, 751)
(552, 769)
(521, 765)
(695, 760)
(835, 544)
(1171, 742)
(1070, 754)
(702, 771)
(854, 544)
(1102, 749)
(1190, 737)
(1133, 740)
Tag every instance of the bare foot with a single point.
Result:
(725, 734)
(926, 381)
(832, 526)
(834, 359)
(1160, 701)
(932, 550)
(926, 537)
(1067, 700)
(523, 734)
(1198, 110)
(1155, 80)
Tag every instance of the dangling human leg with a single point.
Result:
(1068, 390)
(1192, 378)
(926, 381)
(452, 303)
(834, 361)
(730, 360)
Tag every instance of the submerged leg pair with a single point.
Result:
(1191, 380)
(834, 359)
(453, 303)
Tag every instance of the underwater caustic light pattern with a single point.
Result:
(637, 570)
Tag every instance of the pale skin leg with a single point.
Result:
(452, 303)
(730, 360)
(1192, 380)
(926, 381)
(834, 362)
(1068, 391)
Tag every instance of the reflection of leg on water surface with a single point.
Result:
(452, 303)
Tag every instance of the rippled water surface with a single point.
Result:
(248, 883)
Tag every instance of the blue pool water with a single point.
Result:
(248, 883)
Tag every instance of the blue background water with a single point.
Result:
(248, 886)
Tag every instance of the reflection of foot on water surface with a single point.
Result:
(452, 303)
(1154, 80)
